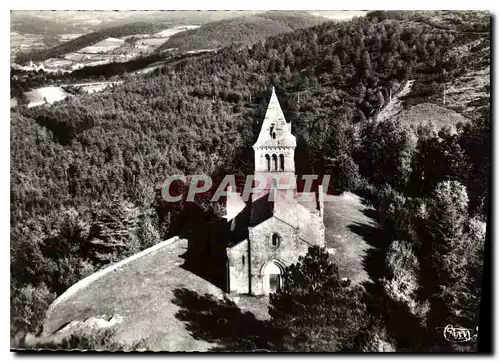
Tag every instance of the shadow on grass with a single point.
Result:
(220, 321)
(400, 323)
(375, 256)
(203, 257)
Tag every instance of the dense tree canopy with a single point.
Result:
(319, 310)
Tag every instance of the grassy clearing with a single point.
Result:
(469, 93)
(344, 212)
(414, 112)
(430, 113)
(141, 293)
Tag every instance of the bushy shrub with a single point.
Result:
(403, 284)
(376, 338)
(30, 304)
(94, 340)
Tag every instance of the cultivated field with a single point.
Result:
(106, 51)
(104, 46)
(169, 32)
(44, 95)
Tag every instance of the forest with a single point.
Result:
(241, 30)
(86, 173)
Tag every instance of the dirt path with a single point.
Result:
(394, 106)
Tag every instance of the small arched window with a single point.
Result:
(275, 163)
(274, 135)
(268, 162)
(243, 260)
(282, 162)
(275, 240)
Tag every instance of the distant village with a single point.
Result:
(110, 50)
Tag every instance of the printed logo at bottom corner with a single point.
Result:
(459, 334)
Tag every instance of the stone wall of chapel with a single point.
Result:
(312, 228)
(238, 268)
(261, 249)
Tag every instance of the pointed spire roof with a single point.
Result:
(275, 130)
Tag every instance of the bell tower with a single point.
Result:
(275, 148)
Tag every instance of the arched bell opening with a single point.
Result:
(275, 163)
(268, 162)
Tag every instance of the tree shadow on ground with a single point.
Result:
(375, 256)
(220, 321)
(400, 323)
(203, 257)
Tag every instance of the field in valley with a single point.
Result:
(106, 51)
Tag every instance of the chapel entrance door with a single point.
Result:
(271, 277)
(274, 282)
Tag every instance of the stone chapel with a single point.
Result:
(268, 233)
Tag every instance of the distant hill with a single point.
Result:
(105, 25)
(90, 39)
(26, 23)
(293, 19)
(246, 30)
(63, 21)
(214, 34)
(452, 20)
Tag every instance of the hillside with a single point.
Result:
(68, 21)
(141, 293)
(99, 25)
(90, 39)
(30, 23)
(401, 110)
(242, 30)
(293, 19)
(431, 113)
(467, 92)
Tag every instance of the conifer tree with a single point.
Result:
(319, 310)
